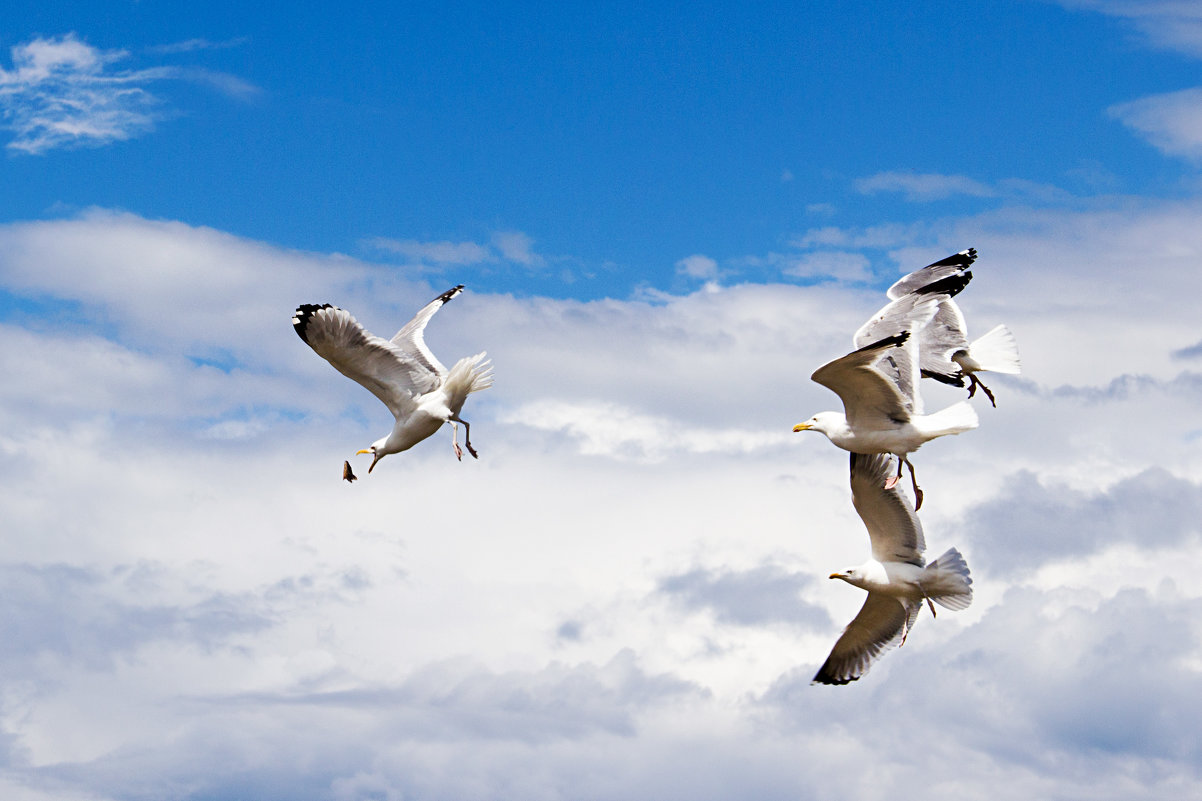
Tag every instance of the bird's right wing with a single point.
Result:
(877, 627)
(893, 526)
(384, 369)
(870, 398)
(909, 314)
(939, 339)
(411, 338)
(948, 276)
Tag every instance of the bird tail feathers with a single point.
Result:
(947, 581)
(955, 419)
(997, 352)
(470, 374)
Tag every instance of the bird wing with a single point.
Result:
(939, 340)
(877, 627)
(893, 526)
(411, 339)
(948, 276)
(910, 313)
(870, 398)
(391, 374)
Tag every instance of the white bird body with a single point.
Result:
(402, 372)
(895, 577)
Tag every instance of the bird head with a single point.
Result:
(816, 423)
(376, 453)
(849, 575)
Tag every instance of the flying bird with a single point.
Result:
(878, 384)
(402, 372)
(946, 355)
(895, 577)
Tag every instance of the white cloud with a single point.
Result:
(516, 247)
(198, 615)
(1171, 122)
(63, 92)
(443, 252)
(922, 187)
(698, 266)
(1171, 24)
(839, 265)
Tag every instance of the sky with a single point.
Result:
(666, 217)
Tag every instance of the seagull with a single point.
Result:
(895, 578)
(878, 384)
(946, 355)
(402, 372)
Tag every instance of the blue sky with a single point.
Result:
(666, 219)
(618, 140)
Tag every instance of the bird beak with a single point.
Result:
(802, 427)
(365, 450)
(835, 575)
(373, 461)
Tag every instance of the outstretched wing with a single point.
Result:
(877, 627)
(871, 400)
(910, 313)
(948, 276)
(939, 340)
(411, 339)
(893, 527)
(388, 372)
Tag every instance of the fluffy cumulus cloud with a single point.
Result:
(1171, 122)
(624, 596)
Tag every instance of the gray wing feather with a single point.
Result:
(893, 526)
(876, 628)
(911, 313)
(871, 399)
(388, 372)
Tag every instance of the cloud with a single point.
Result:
(1170, 24)
(622, 598)
(698, 266)
(764, 595)
(516, 247)
(840, 265)
(1171, 122)
(923, 187)
(1033, 522)
(443, 252)
(62, 93)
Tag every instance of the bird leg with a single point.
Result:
(455, 441)
(892, 480)
(913, 481)
(467, 438)
(973, 383)
(931, 604)
(905, 631)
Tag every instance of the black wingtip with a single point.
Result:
(450, 293)
(303, 316)
(950, 286)
(963, 259)
(897, 340)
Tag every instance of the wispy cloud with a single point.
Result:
(1171, 24)
(920, 186)
(193, 45)
(840, 265)
(1172, 122)
(698, 266)
(62, 92)
(514, 247)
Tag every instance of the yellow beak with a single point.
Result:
(802, 427)
(365, 450)
(835, 575)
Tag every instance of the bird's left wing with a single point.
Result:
(911, 313)
(940, 339)
(411, 338)
(948, 276)
(389, 373)
(870, 398)
(893, 526)
(877, 627)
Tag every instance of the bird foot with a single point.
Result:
(931, 604)
(973, 383)
(472, 450)
(459, 451)
(891, 482)
(917, 498)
